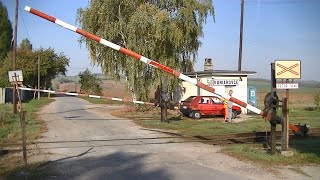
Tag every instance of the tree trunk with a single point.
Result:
(163, 103)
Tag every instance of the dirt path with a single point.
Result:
(85, 142)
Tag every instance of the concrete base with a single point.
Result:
(287, 153)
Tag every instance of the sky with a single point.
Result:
(273, 29)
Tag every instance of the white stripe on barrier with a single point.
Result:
(144, 59)
(188, 79)
(94, 96)
(72, 94)
(27, 8)
(116, 99)
(27, 89)
(138, 102)
(253, 109)
(110, 44)
(66, 25)
(49, 91)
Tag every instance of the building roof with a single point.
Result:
(220, 73)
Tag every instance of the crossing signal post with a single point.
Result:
(273, 129)
(286, 70)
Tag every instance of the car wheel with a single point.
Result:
(196, 115)
(186, 114)
(234, 114)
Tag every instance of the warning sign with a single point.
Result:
(287, 69)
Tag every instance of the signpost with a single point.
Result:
(287, 69)
(16, 78)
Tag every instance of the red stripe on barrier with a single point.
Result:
(176, 74)
(130, 53)
(237, 101)
(43, 15)
(293, 128)
(88, 35)
(160, 66)
(203, 86)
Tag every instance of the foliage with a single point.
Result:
(166, 30)
(25, 45)
(5, 33)
(316, 98)
(90, 83)
(51, 65)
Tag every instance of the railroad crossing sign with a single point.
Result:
(287, 69)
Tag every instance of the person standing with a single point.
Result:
(229, 107)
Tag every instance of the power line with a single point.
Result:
(24, 23)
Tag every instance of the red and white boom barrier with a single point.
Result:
(85, 95)
(141, 58)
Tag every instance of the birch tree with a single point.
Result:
(166, 31)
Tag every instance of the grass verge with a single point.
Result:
(10, 130)
(304, 152)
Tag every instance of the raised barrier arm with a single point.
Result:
(145, 60)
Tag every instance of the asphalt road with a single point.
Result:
(85, 142)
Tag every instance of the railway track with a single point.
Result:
(219, 139)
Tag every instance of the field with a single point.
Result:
(298, 98)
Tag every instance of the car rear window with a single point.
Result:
(189, 99)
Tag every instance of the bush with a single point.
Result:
(316, 98)
(90, 84)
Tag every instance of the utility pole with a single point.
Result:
(14, 90)
(241, 36)
(39, 78)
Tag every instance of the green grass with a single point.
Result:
(10, 130)
(258, 154)
(190, 127)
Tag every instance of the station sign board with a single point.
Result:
(287, 85)
(222, 82)
(287, 69)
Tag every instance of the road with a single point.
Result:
(84, 141)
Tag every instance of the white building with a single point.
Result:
(221, 80)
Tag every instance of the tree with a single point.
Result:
(89, 83)
(164, 30)
(25, 45)
(51, 65)
(316, 99)
(5, 33)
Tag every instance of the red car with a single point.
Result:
(197, 106)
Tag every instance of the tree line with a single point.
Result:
(51, 62)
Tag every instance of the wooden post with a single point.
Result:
(285, 131)
(22, 122)
(273, 126)
(24, 144)
(287, 117)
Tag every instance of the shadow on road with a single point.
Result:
(119, 165)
